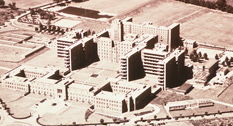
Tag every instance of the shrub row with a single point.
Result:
(219, 4)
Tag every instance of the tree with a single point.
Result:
(195, 58)
(227, 61)
(141, 118)
(195, 52)
(102, 121)
(36, 29)
(221, 4)
(216, 57)
(229, 9)
(12, 6)
(205, 56)
(191, 56)
(2, 3)
(155, 117)
(114, 119)
(199, 55)
(148, 121)
(186, 51)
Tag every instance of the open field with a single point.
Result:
(25, 4)
(16, 102)
(48, 58)
(197, 23)
(8, 53)
(226, 96)
(165, 96)
(113, 6)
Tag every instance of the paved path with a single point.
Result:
(223, 103)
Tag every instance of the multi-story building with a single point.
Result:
(62, 43)
(166, 35)
(124, 87)
(117, 30)
(113, 95)
(164, 65)
(80, 54)
(131, 66)
(109, 50)
(109, 101)
(71, 38)
(16, 83)
(81, 92)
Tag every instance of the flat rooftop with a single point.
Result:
(67, 23)
(110, 95)
(210, 63)
(80, 86)
(96, 74)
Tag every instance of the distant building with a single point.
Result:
(166, 35)
(189, 43)
(188, 104)
(184, 88)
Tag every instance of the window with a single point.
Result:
(59, 90)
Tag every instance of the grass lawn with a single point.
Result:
(20, 108)
(47, 58)
(226, 96)
(205, 94)
(70, 115)
(165, 96)
(18, 105)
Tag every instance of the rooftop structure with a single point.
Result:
(70, 38)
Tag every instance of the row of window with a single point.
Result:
(17, 88)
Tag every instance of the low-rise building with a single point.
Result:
(81, 92)
(110, 101)
(188, 104)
